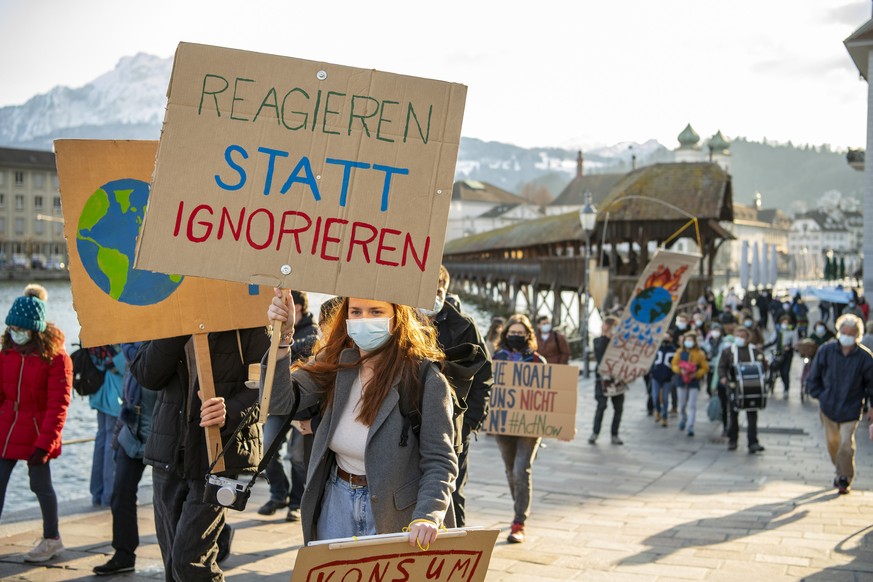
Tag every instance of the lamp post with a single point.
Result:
(587, 218)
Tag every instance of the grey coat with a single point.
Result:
(405, 483)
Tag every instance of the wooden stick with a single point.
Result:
(380, 539)
(207, 390)
(270, 371)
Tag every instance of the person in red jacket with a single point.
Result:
(36, 376)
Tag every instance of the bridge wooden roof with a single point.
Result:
(700, 189)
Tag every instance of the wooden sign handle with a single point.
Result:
(270, 371)
(207, 390)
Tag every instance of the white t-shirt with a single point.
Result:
(349, 440)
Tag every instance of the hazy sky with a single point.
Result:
(539, 73)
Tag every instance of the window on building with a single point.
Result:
(2, 225)
(56, 203)
(2, 200)
(38, 181)
(19, 202)
(55, 181)
(19, 226)
(37, 202)
(38, 226)
(59, 228)
(19, 178)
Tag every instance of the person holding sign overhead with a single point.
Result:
(518, 344)
(364, 478)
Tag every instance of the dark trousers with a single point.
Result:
(125, 531)
(187, 528)
(721, 390)
(617, 408)
(281, 490)
(785, 368)
(41, 484)
(734, 426)
(458, 497)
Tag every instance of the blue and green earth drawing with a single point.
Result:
(106, 241)
(651, 305)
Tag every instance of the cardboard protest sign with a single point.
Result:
(646, 317)
(303, 175)
(104, 191)
(455, 556)
(533, 400)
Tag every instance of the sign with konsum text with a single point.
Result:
(302, 174)
(533, 400)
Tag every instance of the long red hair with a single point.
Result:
(412, 340)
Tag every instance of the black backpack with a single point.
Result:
(87, 377)
(460, 366)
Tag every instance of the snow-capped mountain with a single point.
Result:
(129, 102)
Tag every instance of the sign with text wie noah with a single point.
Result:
(304, 175)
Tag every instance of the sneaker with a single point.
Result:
(45, 550)
(270, 507)
(843, 485)
(293, 514)
(225, 539)
(732, 445)
(516, 534)
(691, 432)
(658, 416)
(616, 440)
(755, 448)
(664, 422)
(592, 439)
(682, 424)
(115, 565)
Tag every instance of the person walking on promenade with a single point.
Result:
(690, 366)
(131, 432)
(743, 350)
(107, 402)
(662, 378)
(784, 341)
(551, 343)
(820, 333)
(190, 530)
(282, 492)
(492, 336)
(455, 329)
(600, 345)
(841, 379)
(36, 378)
(518, 344)
(366, 478)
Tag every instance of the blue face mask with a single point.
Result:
(437, 307)
(20, 336)
(369, 333)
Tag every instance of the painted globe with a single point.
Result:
(651, 305)
(106, 241)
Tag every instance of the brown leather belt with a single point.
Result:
(353, 480)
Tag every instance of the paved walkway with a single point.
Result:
(661, 507)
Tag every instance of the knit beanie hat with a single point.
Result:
(27, 312)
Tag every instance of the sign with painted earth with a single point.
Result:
(106, 241)
(651, 305)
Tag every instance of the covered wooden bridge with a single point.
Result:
(538, 266)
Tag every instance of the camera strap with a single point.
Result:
(274, 446)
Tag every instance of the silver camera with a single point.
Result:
(226, 492)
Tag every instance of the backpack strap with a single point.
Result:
(410, 410)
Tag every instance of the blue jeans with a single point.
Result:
(103, 461)
(280, 488)
(345, 511)
(661, 394)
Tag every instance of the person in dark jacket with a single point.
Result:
(841, 379)
(453, 329)
(283, 493)
(742, 350)
(131, 433)
(188, 528)
(662, 377)
(600, 345)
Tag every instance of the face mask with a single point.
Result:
(698, 322)
(739, 342)
(681, 324)
(748, 323)
(689, 344)
(819, 330)
(546, 327)
(851, 304)
(20, 336)
(847, 340)
(786, 326)
(369, 334)
(786, 306)
(437, 307)
(716, 334)
(516, 343)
